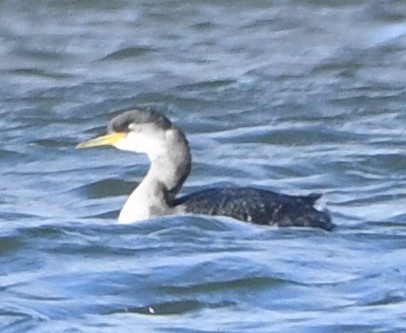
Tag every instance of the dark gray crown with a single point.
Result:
(121, 122)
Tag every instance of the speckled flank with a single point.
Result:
(257, 206)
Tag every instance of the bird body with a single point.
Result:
(257, 206)
(146, 131)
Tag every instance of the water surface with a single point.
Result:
(297, 96)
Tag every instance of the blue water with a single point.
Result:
(297, 96)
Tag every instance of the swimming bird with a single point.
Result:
(149, 132)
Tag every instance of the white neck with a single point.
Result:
(147, 200)
(155, 194)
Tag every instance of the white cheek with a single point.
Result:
(126, 143)
(140, 143)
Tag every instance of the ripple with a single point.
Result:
(393, 297)
(9, 244)
(129, 53)
(106, 188)
(35, 72)
(169, 308)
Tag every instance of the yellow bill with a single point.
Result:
(104, 140)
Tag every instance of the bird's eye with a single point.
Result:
(132, 127)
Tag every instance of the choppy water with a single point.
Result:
(298, 96)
